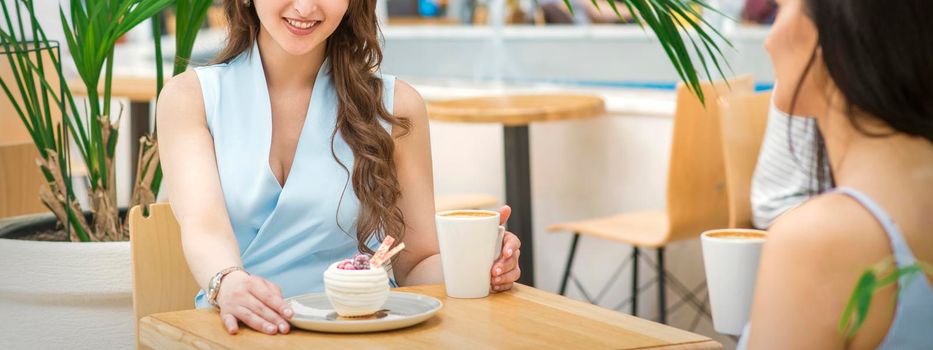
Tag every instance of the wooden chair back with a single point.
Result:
(162, 281)
(696, 187)
(20, 180)
(743, 121)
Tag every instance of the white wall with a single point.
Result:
(556, 53)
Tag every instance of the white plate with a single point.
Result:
(314, 312)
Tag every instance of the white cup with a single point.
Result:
(470, 243)
(731, 258)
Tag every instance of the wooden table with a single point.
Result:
(516, 112)
(522, 318)
(141, 91)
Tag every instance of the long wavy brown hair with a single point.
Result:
(355, 56)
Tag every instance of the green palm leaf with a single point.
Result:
(872, 281)
(674, 23)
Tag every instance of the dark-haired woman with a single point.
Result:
(863, 69)
(293, 152)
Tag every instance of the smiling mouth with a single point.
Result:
(301, 25)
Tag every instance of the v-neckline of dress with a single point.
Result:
(259, 69)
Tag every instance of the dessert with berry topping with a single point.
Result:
(359, 286)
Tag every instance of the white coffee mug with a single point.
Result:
(731, 258)
(470, 242)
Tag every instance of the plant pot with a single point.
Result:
(58, 295)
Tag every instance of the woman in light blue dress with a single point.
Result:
(295, 151)
(863, 69)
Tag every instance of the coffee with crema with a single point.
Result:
(470, 214)
(737, 235)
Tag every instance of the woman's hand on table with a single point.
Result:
(255, 301)
(505, 271)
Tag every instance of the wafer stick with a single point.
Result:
(382, 250)
(390, 254)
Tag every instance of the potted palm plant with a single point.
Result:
(70, 270)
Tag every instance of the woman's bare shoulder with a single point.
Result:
(408, 102)
(181, 98)
(828, 218)
(812, 259)
(832, 231)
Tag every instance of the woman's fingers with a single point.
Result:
(281, 306)
(509, 258)
(230, 322)
(268, 304)
(506, 270)
(505, 282)
(255, 301)
(510, 244)
(504, 213)
(253, 320)
(505, 266)
(269, 316)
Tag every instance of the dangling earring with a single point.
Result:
(246, 2)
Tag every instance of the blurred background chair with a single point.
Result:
(162, 281)
(696, 201)
(744, 118)
(20, 180)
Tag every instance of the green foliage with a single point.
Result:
(91, 34)
(91, 30)
(873, 280)
(672, 21)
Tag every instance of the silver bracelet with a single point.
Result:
(213, 288)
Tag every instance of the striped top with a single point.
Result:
(783, 178)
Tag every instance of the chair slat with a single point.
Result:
(744, 119)
(162, 281)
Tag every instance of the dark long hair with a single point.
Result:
(879, 54)
(355, 56)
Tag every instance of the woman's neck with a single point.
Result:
(879, 163)
(284, 70)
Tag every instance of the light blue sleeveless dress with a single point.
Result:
(912, 327)
(288, 235)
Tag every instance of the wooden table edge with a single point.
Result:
(157, 333)
(699, 345)
(138, 94)
(151, 328)
(516, 119)
(644, 326)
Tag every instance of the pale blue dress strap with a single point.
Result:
(912, 326)
(902, 253)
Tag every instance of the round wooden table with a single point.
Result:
(516, 112)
